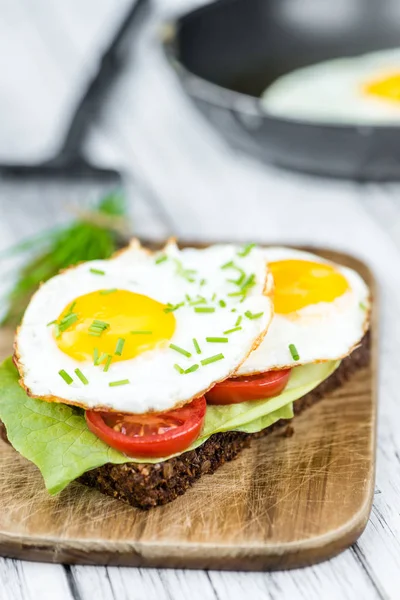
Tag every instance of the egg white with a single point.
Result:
(332, 91)
(154, 385)
(320, 332)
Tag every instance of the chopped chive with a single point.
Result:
(246, 250)
(251, 315)
(57, 331)
(161, 259)
(214, 297)
(106, 292)
(51, 323)
(97, 271)
(102, 357)
(67, 321)
(179, 369)
(120, 346)
(249, 283)
(172, 307)
(101, 324)
(233, 310)
(199, 301)
(238, 321)
(362, 306)
(222, 303)
(81, 376)
(95, 356)
(211, 359)
(141, 332)
(108, 363)
(196, 345)
(120, 382)
(228, 265)
(234, 294)
(293, 352)
(180, 350)
(203, 281)
(204, 309)
(232, 330)
(71, 308)
(238, 281)
(97, 327)
(217, 340)
(67, 378)
(188, 298)
(191, 369)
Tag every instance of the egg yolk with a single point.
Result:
(387, 87)
(115, 323)
(299, 283)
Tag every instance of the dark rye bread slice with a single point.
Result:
(148, 485)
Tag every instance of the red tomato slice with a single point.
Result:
(151, 435)
(254, 387)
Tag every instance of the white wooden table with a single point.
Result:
(194, 187)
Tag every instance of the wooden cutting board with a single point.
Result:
(285, 502)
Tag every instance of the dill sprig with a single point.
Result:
(59, 248)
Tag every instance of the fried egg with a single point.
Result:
(363, 90)
(144, 331)
(321, 312)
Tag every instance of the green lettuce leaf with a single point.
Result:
(56, 439)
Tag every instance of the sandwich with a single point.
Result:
(139, 374)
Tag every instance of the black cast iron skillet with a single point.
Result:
(228, 52)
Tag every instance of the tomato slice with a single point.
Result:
(152, 435)
(254, 387)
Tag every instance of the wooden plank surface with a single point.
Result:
(200, 189)
(285, 502)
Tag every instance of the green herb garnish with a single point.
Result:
(251, 315)
(92, 237)
(204, 309)
(71, 308)
(211, 359)
(119, 347)
(196, 346)
(238, 321)
(202, 282)
(362, 306)
(200, 300)
(238, 281)
(222, 303)
(67, 321)
(95, 356)
(97, 271)
(229, 265)
(81, 376)
(191, 369)
(179, 369)
(217, 340)
(120, 382)
(67, 378)
(51, 322)
(172, 307)
(180, 350)
(232, 330)
(108, 363)
(98, 327)
(141, 332)
(160, 259)
(246, 250)
(293, 352)
(106, 292)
